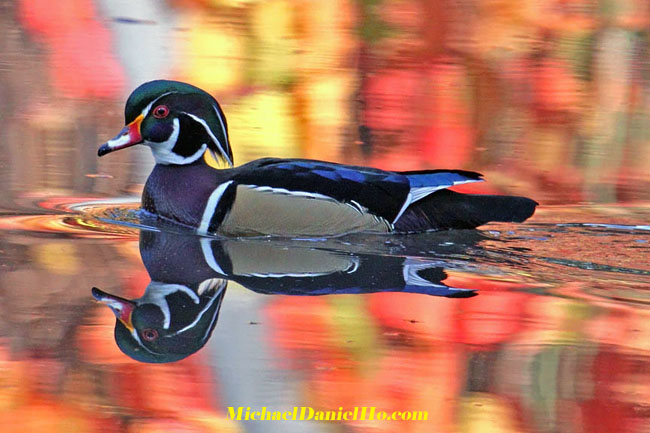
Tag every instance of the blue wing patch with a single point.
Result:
(352, 175)
(292, 165)
(425, 183)
(329, 174)
(442, 178)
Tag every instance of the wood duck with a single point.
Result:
(180, 307)
(185, 127)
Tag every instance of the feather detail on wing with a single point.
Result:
(263, 210)
(370, 190)
(424, 183)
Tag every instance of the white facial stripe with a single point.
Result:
(163, 152)
(156, 294)
(223, 128)
(148, 107)
(166, 156)
(214, 139)
(211, 207)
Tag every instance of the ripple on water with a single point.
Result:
(605, 259)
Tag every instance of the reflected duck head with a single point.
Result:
(168, 323)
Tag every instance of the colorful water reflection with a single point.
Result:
(543, 344)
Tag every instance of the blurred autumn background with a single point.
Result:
(549, 99)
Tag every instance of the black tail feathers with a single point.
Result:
(447, 209)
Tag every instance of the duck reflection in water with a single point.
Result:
(178, 312)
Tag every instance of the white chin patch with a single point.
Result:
(163, 152)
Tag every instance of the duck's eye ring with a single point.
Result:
(160, 112)
(149, 334)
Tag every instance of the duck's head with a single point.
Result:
(169, 323)
(178, 121)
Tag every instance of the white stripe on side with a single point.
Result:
(212, 136)
(284, 191)
(211, 206)
(206, 248)
(423, 191)
(411, 268)
(356, 206)
(289, 274)
(406, 204)
(419, 193)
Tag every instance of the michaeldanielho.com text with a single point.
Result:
(305, 413)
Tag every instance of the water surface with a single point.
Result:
(559, 319)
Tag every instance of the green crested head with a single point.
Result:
(178, 121)
(147, 92)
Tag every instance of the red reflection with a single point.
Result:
(465, 361)
(81, 61)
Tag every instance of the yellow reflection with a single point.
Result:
(484, 413)
(57, 257)
(275, 46)
(326, 35)
(231, 3)
(210, 55)
(212, 421)
(326, 109)
(263, 124)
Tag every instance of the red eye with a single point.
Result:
(160, 112)
(149, 334)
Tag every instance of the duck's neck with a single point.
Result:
(179, 192)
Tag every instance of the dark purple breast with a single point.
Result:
(179, 193)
